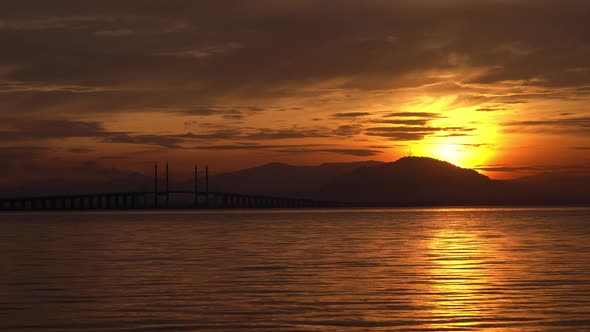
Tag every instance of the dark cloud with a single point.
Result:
(23, 130)
(33, 129)
(348, 130)
(404, 121)
(385, 146)
(225, 112)
(286, 109)
(211, 135)
(347, 152)
(350, 114)
(161, 140)
(399, 135)
(570, 122)
(427, 115)
(290, 148)
(80, 150)
(273, 134)
(69, 68)
(454, 135)
(567, 126)
(508, 168)
(229, 113)
(552, 168)
(354, 152)
(411, 133)
(252, 146)
(415, 122)
(162, 54)
(228, 134)
(476, 145)
(12, 153)
(491, 108)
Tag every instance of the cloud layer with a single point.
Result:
(320, 78)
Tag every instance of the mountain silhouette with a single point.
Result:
(277, 179)
(410, 180)
(407, 181)
(555, 187)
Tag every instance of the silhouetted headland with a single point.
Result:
(409, 181)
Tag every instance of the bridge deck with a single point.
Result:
(155, 200)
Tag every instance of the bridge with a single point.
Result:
(158, 199)
(151, 200)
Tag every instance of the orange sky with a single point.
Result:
(102, 89)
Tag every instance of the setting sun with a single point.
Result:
(450, 153)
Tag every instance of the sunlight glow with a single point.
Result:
(465, 137)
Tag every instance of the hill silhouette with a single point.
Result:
(277, 179)
(407, 181)
(410, 180)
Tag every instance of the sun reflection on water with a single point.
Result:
(460, 274)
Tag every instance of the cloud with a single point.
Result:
(61, 22)
(408, 125)
(212, 135)
(347, 152)
(117, 33)
(404, 121)
(33, 129)
(508, 168)
(415, 50)
(405, 133)
(534, 168)
(87, 65)
(575, 122)
(161, 140)
(568, 126)
(290, 149)
(12, 129)
(8, 153)
(13, 86)
(273, 134)
(427, 115)
(203, 52)
(80, 150)
(454, 135)
(251, 146)
(350, 114)
(228, 134)
(228, 113)
(103, 25)
(399, 135)
(348, 130)
(491, 108)
(109, 49)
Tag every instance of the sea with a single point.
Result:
(423, 269)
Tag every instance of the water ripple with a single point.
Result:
(516, 269)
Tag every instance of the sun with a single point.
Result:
(452, 153)
(462, 154)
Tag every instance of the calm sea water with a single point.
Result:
(517, 269)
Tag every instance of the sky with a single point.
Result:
(92, 89)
